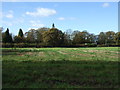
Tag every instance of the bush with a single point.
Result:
(7, 45)
(19, 45)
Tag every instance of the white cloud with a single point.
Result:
(9, 14)
(105, 5)
(72, 18)
(13, 22)
(42, 12)
(66, 18)
(61, 18)
(36, 23)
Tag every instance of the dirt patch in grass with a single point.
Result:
(41, 53)
(116, 52)
(76, 54)
(52, 53)
(93, 51)
(29, 53)
(85, 55)
(32, 53)
(61, 52)
(101, 51)
(113, 56)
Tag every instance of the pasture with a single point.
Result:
(60, 67)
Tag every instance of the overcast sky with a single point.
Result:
(94, 17)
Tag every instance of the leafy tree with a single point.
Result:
(69, 33)
(117, 38)
(76, 38)
(110, 35)
(81, 38)
(40, 32)
(1, 28)
(39, 38)
(18, 39)
(31, 36)
(91, 38)
(67, 39)
(74, 33)
(102, 38)
(7, 37)
(53, 37)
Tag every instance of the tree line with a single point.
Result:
(53, 37)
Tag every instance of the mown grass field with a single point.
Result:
(60, 67)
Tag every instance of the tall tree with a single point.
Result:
(40, 32)
(20, 38)
(102, 38)
(110, 35)
(117, 38)
(81, 38)
(7, 37)
(53, 37)
(31, 36)
(1, 28)
(20, 33)
(53, 26)
(91, 38)
(67, 39)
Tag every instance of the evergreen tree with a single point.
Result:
(7, 37)
(53, 26)
(20, 33)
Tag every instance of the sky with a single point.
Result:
(95, 17)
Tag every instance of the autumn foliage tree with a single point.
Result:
(56, 38)
(40, 32)
(53, 37)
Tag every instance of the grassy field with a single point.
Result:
(60, 67)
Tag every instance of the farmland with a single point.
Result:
(60, 67)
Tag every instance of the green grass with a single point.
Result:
(60, 67)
